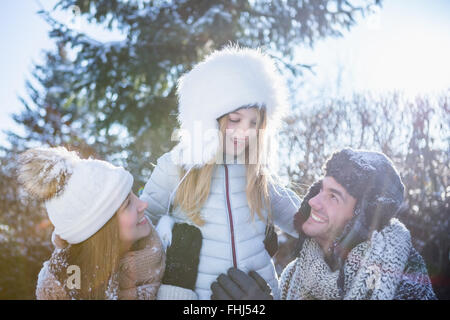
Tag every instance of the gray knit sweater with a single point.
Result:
(386, 267)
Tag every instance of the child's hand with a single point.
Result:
(164, 229)
(182, 257)
(237, 285)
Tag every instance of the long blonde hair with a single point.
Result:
(44, 173)
(194, 190)
(98, 258)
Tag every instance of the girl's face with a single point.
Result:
(133, 225)
(241, 130)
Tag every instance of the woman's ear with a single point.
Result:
(58, 242)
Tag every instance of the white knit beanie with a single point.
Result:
(223, 82)
(80, 195)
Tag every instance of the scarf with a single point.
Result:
(377, 269)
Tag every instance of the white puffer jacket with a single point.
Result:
(229, 237)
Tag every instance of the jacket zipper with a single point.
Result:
(230, 217)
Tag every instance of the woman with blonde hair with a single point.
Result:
(218, 177)
(109, 249)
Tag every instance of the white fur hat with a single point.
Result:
(223, 82)
(80, 195)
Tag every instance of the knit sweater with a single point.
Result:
(386, 267)
(139, 276)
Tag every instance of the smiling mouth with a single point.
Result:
(317, 218)
(142, 221)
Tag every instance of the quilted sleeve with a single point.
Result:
(284, 204)
(159, 187)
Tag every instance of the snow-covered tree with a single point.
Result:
(128, 86)
(116, 100)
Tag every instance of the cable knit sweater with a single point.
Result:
(385, 268)
(139, 276)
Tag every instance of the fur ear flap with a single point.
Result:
(303, 212)
(44, 172)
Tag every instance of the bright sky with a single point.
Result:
(23, 34)
(405, 46)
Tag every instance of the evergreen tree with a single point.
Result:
(116, 100)
(129, 86)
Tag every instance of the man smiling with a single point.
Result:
(330, 210)
(351, 246)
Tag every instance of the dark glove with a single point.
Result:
(303, 214)
(182, 257)
(271, 240)
(239, 286)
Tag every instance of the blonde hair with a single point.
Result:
(194, 190)
(98, 258)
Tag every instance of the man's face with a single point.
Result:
(331, 209)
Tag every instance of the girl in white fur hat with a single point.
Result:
(108, 240)
(217, 177)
